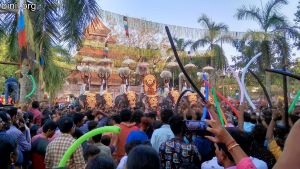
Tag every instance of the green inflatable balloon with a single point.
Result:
(217, 105)
(33, 87)
(294, 102)
(80, 140)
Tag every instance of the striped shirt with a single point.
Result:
(56, 150)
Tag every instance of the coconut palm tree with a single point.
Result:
(181, 45)
(274, 36)
(212, 37)
(53, 23)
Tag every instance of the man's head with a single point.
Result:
(91, 126)
(78, 119)
(143, 157)
(125, 115)
(12, 112)
(4, 121)
(165, 115)
(66, 125)
(242, 138)
(177, 125)
(49, 128)
(35, 104)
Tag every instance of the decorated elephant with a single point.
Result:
(86, 100)
(128, 99)
(104, 101)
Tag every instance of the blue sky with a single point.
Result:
(186, 12)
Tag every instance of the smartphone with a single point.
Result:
(196, 127)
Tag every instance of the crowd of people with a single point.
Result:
(36, 136)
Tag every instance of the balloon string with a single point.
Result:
(294, 102)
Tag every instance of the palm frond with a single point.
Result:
(199, 43)
(276, 21)
(77, 14)
(205, 21)
(272, 7)
(221, 27)
(253, 13)
(46, 21)
(62, 53)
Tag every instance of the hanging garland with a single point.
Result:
(178, 31)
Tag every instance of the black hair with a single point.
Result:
(259, 134)
(165, 115)
(49, 125)
(157, 124)
(91, 150)
(7, 146)
(247, 117)
(105, 140)
(11, 111)
(91, 126)
(241, 138)
(101, 163)
(125, 115)
(129, 146)
(152, 115)
(176, 124)
(65, 124)
(3, 116)
(28, 117)
(116, 118)
(137, 116)
(35, 104)
(77, 118)
(143, 157)
(89, 115)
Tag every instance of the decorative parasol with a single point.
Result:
(208, 68)
(124, 71)
(88, 60)
(166, 74)
(172, 65)
(103, 70)
(129, 63)
(190, 66)
(105, 61)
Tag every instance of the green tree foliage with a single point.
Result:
(6, 70)
(55, 22)
(213, 39)
(274, 40)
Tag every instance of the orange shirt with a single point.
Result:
(126, 128)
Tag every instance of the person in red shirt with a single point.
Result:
(119, 141)
(40, 143)
(37, 119)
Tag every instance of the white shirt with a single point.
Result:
(122, 164)
(161, 135)
(213, 163)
